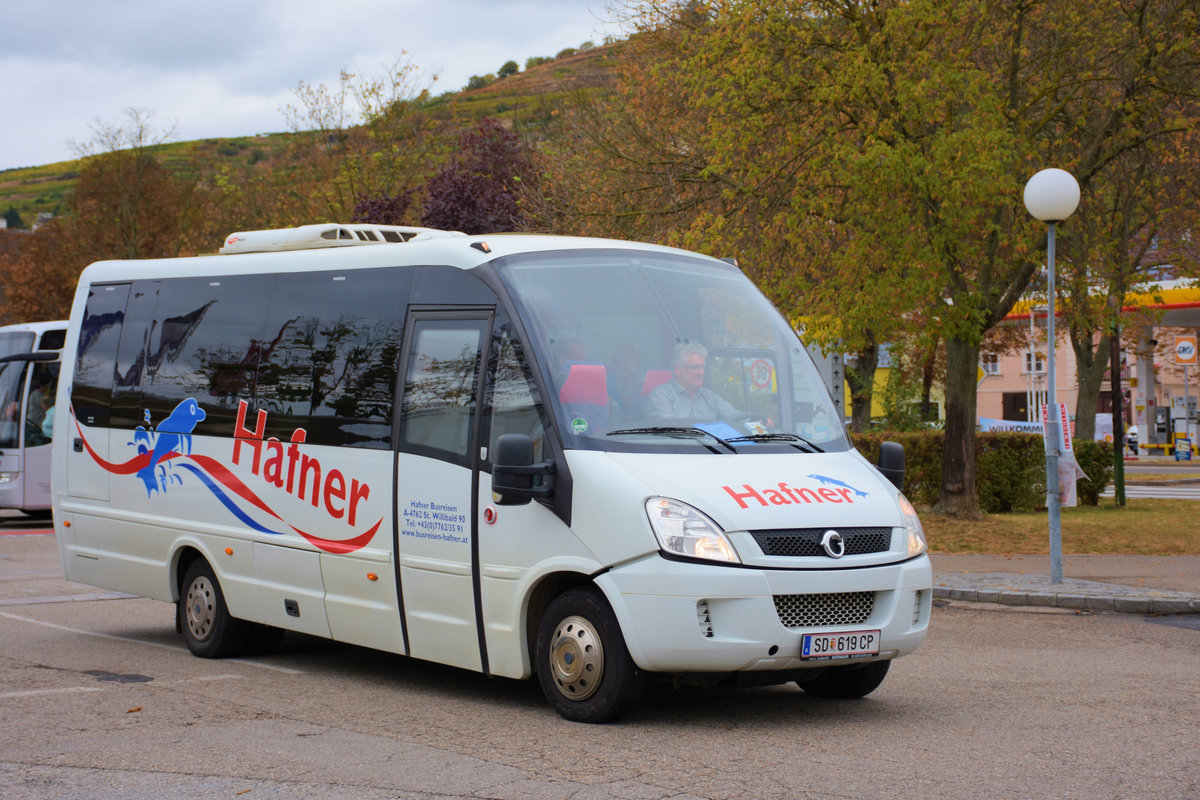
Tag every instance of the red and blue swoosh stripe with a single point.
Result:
(228, 488)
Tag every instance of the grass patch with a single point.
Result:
(1145, 526)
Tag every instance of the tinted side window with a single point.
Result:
(204, 343)
(39, 411)
(53, 339)
(95, 358)
(127, 408)
(12, 383)
(330, 354)
(441, 382)
(513, 403)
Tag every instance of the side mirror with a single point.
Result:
(891, 463)
(515, 478)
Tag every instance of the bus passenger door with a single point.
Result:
(436, 478)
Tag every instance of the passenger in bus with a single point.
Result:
(48, 417)
(37, 405)
(686, 396)
(625, 379)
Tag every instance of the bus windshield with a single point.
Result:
(13, 342)
(646, 350)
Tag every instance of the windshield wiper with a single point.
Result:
(676, 431)
(790, 438)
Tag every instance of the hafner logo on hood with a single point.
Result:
(834, 491)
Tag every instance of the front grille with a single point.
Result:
(807, 541)
(816, 610)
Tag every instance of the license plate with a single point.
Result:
(854, 644)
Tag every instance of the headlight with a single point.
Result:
(684, 531)
(8, 477)
(913, 528)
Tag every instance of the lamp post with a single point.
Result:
(1051, 196)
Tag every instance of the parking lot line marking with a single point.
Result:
(175, 648)
(61, 690)
(65, 598)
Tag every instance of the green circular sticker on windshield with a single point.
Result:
(579, 425)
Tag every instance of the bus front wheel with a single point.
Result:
(584, 668)
(208, 629)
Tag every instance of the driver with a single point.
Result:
(686, 396)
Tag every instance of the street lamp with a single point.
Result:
(1051, 196)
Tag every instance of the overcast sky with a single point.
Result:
(217, 68)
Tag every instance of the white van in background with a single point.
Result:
(594, 461)
(29, 362)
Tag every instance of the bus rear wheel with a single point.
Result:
(208, 629)
(583, 665)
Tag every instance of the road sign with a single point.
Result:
(1185, 349)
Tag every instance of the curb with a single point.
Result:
(1023, 590)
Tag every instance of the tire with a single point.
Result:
(583, 664)
(849, 682)
(203, 617)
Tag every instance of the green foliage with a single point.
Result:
(1010, 467)
(12, 218)
(479, 81)
(537, 61)
(901, 400)
(1010, 471)
(509, 67)
(1096, 459)
(922, 460)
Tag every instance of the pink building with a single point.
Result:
(1160, 395)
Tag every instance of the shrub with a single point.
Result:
(1010, 468)
(1096, 459)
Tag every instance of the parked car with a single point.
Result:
(1131, 439)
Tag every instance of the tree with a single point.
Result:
(12, 219)
(868, 157)
(125, 205)
(1141, 201)
(364, 137)
(508, 68)
(384, 209)
(480, 189)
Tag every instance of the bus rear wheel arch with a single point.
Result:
(204, 619)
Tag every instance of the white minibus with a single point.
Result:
(597, 462)
(29, 365)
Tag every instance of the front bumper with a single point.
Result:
(690, 617)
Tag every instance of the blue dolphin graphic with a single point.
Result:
(832, 482)
(174, 433)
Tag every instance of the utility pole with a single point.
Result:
(1118, 414)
